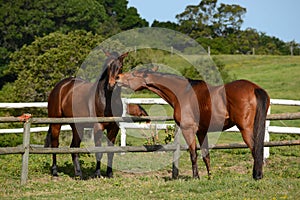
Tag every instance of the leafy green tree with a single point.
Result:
(127, 18)
(46, 61)
(208, 19)
(21, 21)
(133, 20)
(168, 24)
(230, 19)
(198, 20)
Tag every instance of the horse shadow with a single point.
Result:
(180, 177)
(67, 169)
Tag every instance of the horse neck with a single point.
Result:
(100, 87)
(168, 87)
(103, 92)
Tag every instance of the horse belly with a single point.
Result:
(218, 111)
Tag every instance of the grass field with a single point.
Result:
(148, 175)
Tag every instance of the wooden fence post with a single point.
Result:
(123, 129)
(176, 154)
(26, 146)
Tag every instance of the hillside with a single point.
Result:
(279, 75)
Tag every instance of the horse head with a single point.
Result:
(136, 79)
(114, 66)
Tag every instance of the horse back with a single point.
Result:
(60, 99)
(242, 90)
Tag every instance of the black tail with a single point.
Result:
(48, 138)
(263, 102)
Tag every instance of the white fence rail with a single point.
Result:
(124, 126)
(271, 129)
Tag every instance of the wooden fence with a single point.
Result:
(27, 149)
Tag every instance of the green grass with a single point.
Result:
(148, 175)
(231, 179)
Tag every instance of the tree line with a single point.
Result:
(218, 26)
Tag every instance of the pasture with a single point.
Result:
(231, 169)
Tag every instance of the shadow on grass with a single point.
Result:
(67, 169)
(180, 177)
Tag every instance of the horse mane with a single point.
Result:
(103, 74)
(165, 74)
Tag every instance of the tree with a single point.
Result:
(46, 61)
(230, 19)
(21, 21)
(207, 19)
(168, 24)
(132, 20)
(127, 18)
(196, 20)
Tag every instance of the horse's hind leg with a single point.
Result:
(248, 137)
(203, 140)
(76, 140)
(53, 139)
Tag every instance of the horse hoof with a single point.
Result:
(196, 176)
(54, 172)
(257, 175)
(78, 175)
(209, 176)
(110, 175)
(97, 174)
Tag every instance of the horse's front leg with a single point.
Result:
(52, 140)
(112, 133)
(98, 134)
(189, 136)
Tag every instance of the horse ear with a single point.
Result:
(121, 57)
(155, 68)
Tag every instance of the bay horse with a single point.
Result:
(74, 97)
(200, 108)
(136, 110)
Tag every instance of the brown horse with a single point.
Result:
(200, 108)
(136, 110)
(73, 97)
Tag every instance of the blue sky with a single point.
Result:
(279, 18)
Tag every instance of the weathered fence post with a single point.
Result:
(26, 146)
(121, 124)
(176, 154)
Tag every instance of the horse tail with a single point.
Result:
(263, 102)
